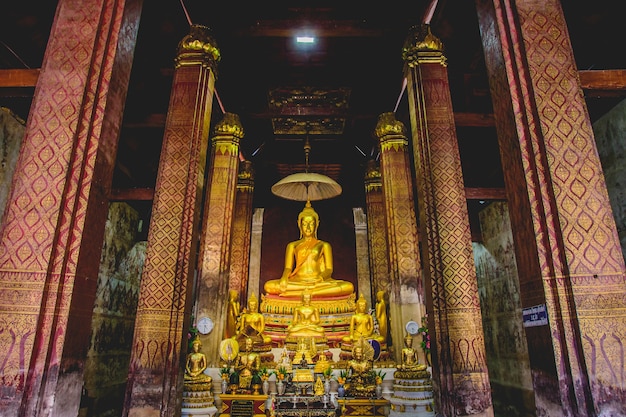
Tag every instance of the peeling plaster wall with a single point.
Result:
(11, 134)
(610, 134)
(505, 340)
(115, 308)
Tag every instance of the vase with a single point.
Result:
(379, 391)
(280, 387)
(224, 385)
(341, 391)
(327, 385)
(333, 399)
(266, 387)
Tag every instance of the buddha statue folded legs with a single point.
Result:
(308, 264)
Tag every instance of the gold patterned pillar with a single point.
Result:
(155, 377)
(53, 225)
(376, 228)
(567, 245)
(406, 296)
(217, 224)
(459, 359)
(242, 223)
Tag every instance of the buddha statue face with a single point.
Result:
(308, 220)
(408, 341)
(306, 298)
(196, 345)
(248, 345)
(358, 353)
(253, 305)
(361, 305)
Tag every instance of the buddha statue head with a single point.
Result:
(408, 340)
(253, 304)
(308, 219)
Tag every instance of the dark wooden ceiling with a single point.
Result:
(351, 75)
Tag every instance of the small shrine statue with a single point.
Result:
(305, 319)
(247, 365)
(362, 324)
(284, 361)
(318, 388)
(251, 323)
(304, 353)
(410, 360)
(361, 381)
(308, 263)
(322, 364)
(232, 314)
(195, 366)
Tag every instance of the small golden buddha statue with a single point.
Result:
(304, 356)
(195, 366)
(361, 380)
(362, 324)
(305, 319)
(308, 263)
(247, 364)
(232, 314)
(410, 361)
(381, 315)
(251, 323)
(284, 361)
(322, 364)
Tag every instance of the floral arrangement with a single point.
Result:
(380, 376)
(425, 336)
(263, 373)
(281, 373)
(327, 372)
(225, 372)
(191, 334)
(343, 375)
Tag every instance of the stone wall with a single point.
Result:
(113, 322)
(610, 133)
(505, 341)
(11, 134)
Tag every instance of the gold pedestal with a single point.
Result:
(335, 315)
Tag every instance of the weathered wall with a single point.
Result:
(114, 313)
(610, 133)
(11, 133)
(505, 341)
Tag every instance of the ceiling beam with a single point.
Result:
(606, 83)
(485, 193)
(320, 28)
(18, 77)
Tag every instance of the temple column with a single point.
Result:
(460, 371)
(362, 255)
(566, 241)
(240, 240)
(376, 229)
(53, 227)
(163, 311)
(407, 293)
(219, 208)
(254, 275)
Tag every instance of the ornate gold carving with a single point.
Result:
(388, 125)
(421, 46)
(229, 125)
(198, 47)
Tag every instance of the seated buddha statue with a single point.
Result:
(195, 366)
(410, 360)
(305, 319)
(361, 381)
(308, 264)
(251, 323)
(247, 364)
(362, 324)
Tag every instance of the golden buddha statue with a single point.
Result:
(362, 324)
(308, 263)
(247, 364)
(361, 380)
(305, 319)
(381, 315)
(305, 351)
(251, 323)
(410, 361)
(195, 366)
(232, 314)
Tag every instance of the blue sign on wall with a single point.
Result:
(535, 316)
